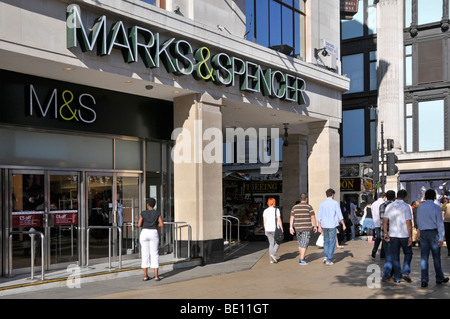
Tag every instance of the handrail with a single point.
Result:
(109, 243)
(175, 235)
(226, 217)
(228, 240)
(32, 233)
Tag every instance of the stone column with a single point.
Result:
(323, 161)
(198, 173)
(295, 172)
(390, 70)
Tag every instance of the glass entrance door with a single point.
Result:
(27, 203)
(100, 213)
(112, 200)
(46, 202)
(63, 218)
(128, 212)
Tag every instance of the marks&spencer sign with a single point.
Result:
(180, 58)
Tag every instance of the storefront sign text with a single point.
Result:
(64, 106)
(180, 58)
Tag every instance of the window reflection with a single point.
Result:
(353, 133)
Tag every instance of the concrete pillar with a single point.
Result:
(295, 172)
(197, 181)
(323, 161)
(390, 70)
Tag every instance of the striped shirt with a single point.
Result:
(302, 217)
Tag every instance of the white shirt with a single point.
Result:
(398, 213)
(269, 218)
(376, 212)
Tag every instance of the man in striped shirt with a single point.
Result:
(301, 222)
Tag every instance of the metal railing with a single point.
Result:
(226, 218)
(175, 227)
(109, 243)
(32, 233)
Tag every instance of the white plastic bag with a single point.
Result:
(319, 241)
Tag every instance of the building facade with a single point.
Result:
(396, 55)
(107, 103)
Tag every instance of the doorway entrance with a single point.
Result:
(46, 202)
(62, 205)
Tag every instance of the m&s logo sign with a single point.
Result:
(64, 105)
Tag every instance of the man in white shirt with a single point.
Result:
(398, 215)
(377, 223)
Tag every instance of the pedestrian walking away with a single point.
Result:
(377, 224)
(269, 227)
(399, 216)
(150, 220)
(367, 222)
(446, 212)
(431, 227)
(387, 271)
(329, 217)
(301, 222)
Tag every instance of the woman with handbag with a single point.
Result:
(272, 221)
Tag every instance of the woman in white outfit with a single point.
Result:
(150, 220)
(269, 227)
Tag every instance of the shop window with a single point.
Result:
(353, 132)
(429, 11)
(277, 24)
(353, 68)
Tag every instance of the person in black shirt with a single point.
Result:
(150, 220)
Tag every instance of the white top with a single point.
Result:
(269, 216)
(398, 213)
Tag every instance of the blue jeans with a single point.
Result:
(329, 243)
(396, 243)
(429, 242)
(387, 272)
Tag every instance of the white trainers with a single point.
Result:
(329, 263)
(273, 259)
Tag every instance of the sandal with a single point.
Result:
(146, 278)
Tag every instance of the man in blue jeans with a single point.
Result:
(398, 216)
(329, 217)
(431, 227)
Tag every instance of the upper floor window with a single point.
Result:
(423, 12)
(158, 3)
(365, 19)
(277, 24)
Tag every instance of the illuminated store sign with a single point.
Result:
(180, 58)
(64, 106)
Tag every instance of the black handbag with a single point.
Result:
(279, 234)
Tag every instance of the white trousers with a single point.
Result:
(149, 240)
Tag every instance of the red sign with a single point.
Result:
(65, 217)
(27, 219)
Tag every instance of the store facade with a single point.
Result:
(104, 104)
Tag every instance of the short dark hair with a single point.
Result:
(151, 202)
(330, 192)
(382, 194)
(303, 196)
(430, 194)
(390, 195)
(402, 194)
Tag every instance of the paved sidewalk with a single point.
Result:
(249, 275)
